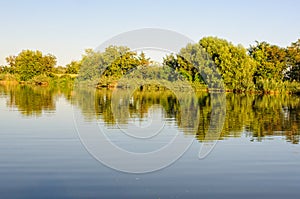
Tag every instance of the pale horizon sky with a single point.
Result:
(65, 28)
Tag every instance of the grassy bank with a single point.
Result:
(40, 80)
(263, 87)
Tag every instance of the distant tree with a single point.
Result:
(270, 59)
(11, 68)
(293, 60)
(73, 67)
(122, 65)
(143, 60)
(6, 69)
(59, 70)
(93, 64)
(30, 63)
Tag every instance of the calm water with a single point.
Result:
(257, 154)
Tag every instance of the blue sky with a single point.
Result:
(65, 27)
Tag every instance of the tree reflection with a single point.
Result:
(32, 100)
(256, 116)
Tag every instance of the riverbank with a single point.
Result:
(70, 79)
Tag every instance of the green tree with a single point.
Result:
(105, 68)
(270, 59)
(93, 64)
(293, 54)
(11, 67)
(121, 65)
(59, 70)
(235, 66)
(144, 61)
(30, 63)
(73, 67)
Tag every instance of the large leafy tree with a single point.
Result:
(233, 62)
(271, 61)
(193, 63)
(122, 65)
(94, 63)
(105, 68)
(30, 63)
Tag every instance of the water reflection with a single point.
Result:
(256, 116)
(33, 100)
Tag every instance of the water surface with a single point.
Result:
(41, 156)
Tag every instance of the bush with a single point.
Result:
(40, 80)
(8, 77)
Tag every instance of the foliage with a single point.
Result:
(40, 80)
(199, 63)
(122, 65)
(235, 66)
(293, 60)
(7, 77)
(262, 68)
(59, 70)
(30, 63)
(73, 67)
(105, 68)
(143, 60)
(93, 64)
(267, 68)
(270, 59)
(196, 66)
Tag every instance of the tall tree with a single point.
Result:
(235, 66)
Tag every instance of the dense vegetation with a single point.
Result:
(261, 68)
(33, 67)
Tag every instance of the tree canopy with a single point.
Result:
(73, 67)
(29, 64)
(270, 60)
(235, 66)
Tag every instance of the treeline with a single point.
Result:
(33, 67)
(262, 67)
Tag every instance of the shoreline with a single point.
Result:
(149, 87)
